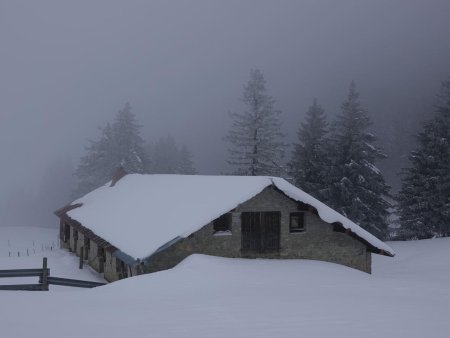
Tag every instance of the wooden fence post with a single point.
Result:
(44, 274)
(81, 257)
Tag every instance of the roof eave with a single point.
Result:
(65, 209)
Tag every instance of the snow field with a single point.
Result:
(17, 242)
(61, 263)
(406, 296)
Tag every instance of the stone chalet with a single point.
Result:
(145, 223)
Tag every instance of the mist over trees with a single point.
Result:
(336, 162)
(424, 198)
(55, 191)
(255, 137)
(120, 144)
(168, 158)
(24, 207)
(182, 66)
(309, 164)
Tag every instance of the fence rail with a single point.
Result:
(72, 282)
(23, 273)
(22, 287)
(44, 279)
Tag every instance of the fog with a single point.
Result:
(66, 68)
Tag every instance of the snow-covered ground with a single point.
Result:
(406, 296)
(24, 248)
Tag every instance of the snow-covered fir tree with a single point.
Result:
(94, 168)
(128, 147)
(424, 199)
(119, 145)
(255, 136)
(357, 188)
(309, 164)
(168, 158)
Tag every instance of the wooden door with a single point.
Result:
(260, 231)
(251, 233)
(270, 231)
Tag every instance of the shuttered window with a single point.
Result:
(297, 222)
(223, 223)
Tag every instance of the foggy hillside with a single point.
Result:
(68, 68)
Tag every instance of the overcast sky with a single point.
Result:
(67, 67)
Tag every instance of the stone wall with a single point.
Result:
(110, 268)
(93, 258)
(318, 241)
(113, 270)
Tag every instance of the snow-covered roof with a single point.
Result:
(141, 213)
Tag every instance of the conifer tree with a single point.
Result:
(255, 136)
(94, 168)
(357, 187)
(309, 162)
(424, 199)
(119, 145)
(128, 146)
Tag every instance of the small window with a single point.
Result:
(297, 222)
(223, 223)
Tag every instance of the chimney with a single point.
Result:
(120, 172)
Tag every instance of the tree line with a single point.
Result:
(333, 161)
(336, 162)
(121, 145)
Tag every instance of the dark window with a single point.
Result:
(297, 222)
(223, 223)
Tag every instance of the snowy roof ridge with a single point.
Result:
(155, 209)
(330, 215)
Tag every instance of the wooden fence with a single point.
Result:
(44, 279)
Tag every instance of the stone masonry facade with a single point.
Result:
(97, 257)
(318, 242)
